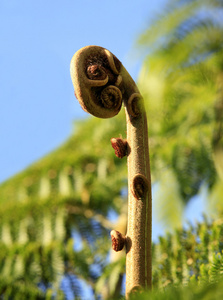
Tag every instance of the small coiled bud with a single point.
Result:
(140, 186)
(134, 106)
(95, 72)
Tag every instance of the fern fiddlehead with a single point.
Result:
(101, 86)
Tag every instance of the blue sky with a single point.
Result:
(38, 40)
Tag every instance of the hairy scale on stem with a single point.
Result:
(118, 240)
(120, 147)
(101, 86)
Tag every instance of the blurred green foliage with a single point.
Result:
(213, 291)
(182, 83)
(54, 216)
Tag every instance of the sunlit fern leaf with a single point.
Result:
(10, 289)
(216, 269)
(65, 187)
(6, 234)
(190, 292)
(44, 187)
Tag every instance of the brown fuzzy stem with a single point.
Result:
(138, 260)
(101, 85)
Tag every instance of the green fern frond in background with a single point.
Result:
(54, 216)
(188, 264)
(193, 254)
(213, 291)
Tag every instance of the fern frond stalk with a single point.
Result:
(101, 85)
